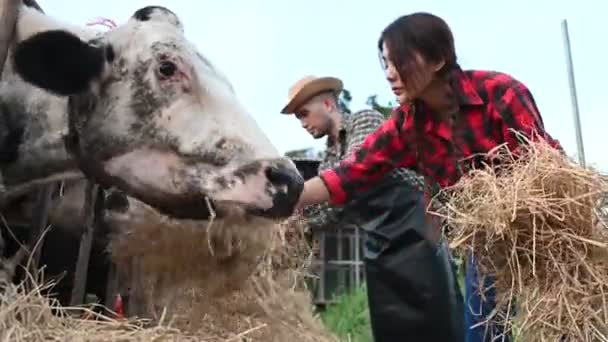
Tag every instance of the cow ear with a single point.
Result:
(58, 61)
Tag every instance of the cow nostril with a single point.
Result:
(289, 184)
(167, 68)
(279, 175)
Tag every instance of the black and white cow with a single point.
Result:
(137, 108)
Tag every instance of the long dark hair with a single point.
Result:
(431, 37)
(422, 33)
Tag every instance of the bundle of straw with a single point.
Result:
(535, 224)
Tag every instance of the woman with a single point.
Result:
(445, 116)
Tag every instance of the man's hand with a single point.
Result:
(315, 192)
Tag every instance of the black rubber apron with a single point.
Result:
(413, 293)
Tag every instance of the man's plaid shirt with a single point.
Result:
(355, 128)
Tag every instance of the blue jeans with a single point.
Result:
(476, 310)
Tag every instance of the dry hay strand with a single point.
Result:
(535, 224)
(27, 315)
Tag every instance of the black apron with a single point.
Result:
(413, 292)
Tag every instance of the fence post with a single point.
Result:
(573, 95)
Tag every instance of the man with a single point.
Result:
(411, 283)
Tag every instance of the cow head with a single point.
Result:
(151, 116)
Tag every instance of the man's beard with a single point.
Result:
(319, 135)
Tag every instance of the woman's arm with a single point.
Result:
(360, 125)
(381, 152)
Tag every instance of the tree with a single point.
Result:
(372, 101)
(344, 101)
(386, 110)
(303, 153)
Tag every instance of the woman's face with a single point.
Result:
(420, 76)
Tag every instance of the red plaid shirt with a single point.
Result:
(491, 103)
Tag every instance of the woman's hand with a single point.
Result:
(315, 192)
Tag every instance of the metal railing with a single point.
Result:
(337, 264)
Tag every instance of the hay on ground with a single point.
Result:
(266, 302)
(535, 224)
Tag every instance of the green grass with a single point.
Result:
(349, 317)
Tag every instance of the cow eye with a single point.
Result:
(167, 68)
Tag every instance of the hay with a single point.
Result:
(266, 299)
(272, 304)
(218, 254)
(26, 315)
(535, 224)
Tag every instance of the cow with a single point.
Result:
(67, 221)
(140, 109)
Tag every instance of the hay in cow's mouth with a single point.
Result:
(536, 225)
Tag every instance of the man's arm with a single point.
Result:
(363, 123)
(381, 151)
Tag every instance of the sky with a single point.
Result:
(265, 45)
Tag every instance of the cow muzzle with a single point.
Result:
(288, 185)
(265, 188)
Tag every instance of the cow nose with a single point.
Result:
(289, 185)
(281, 175)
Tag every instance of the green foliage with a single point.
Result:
(386, 110)
(372, 101)
(301, 153)
(344, 101)
(349, 317)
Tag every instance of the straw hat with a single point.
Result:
(306, 88)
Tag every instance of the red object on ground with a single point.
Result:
(118, 307)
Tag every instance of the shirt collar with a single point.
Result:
(343, 131)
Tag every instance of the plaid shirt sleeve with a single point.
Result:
(381, 152)
(362, 124)
(366, 125)
(519, 112)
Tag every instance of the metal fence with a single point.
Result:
(337, 264)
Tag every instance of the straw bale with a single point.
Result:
(535, 224)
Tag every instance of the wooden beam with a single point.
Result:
(39, 222)
(90, 210)
(9, 11)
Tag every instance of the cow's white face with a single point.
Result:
(152, 116)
